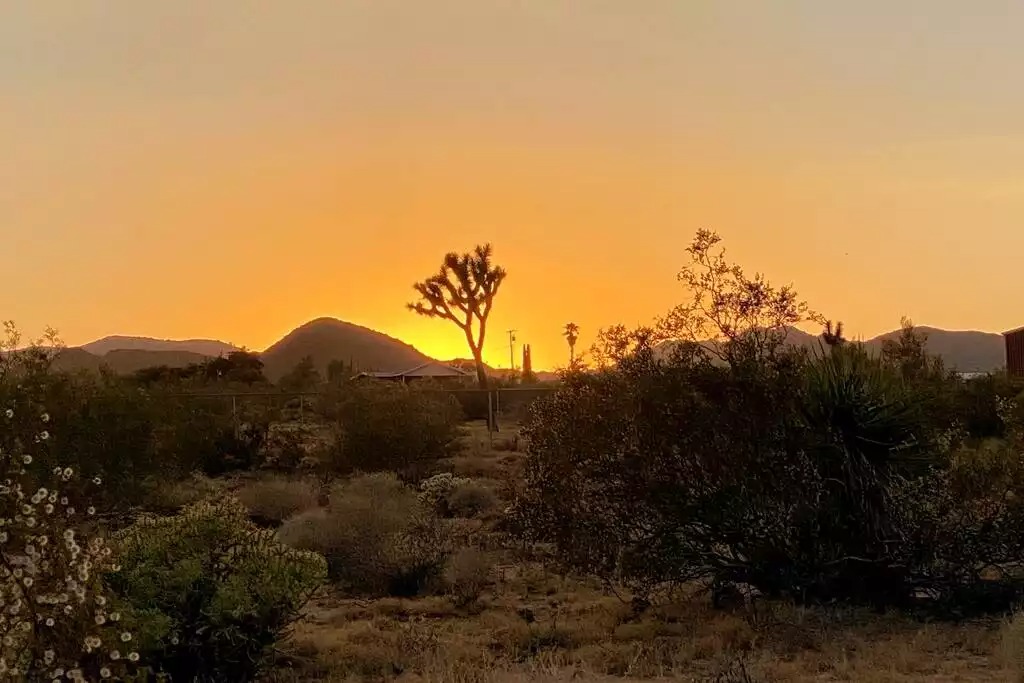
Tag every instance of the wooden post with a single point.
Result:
(490, 419)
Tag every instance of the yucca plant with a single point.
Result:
(863, 436)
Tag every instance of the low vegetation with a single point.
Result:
(212, 592)
(733, 510)
(377, 536)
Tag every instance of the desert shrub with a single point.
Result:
(816, 478)
(170, 496)
(133, 438)
(287, 445)
(471, 499)
(466, 575)
(57, 618)
(215, 591)
(392, 427)
(376, 535)
(201, 433)
(435, 490)
(271, 501)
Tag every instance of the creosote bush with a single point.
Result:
(818, 476)
(466, 575)
(471, 499)
(377, 537)
(273, 500)
(56, 618)
(811, 478)
(214, 591)
(391, 427)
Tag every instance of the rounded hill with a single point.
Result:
(329, 339)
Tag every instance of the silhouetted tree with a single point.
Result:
(833, 337)
(907, 353)
(528, 376)
(463, 292)
(237, 366)
(303, 377)
(571, 334)
(339, 371)
(732, 315)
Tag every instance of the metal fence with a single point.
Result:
(507, 403)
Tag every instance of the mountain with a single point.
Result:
(128, 361)
(74, 359)
(123, 361)
(962, 350)
(203, 347)
(328, 339)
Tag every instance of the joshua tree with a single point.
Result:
(463, 292)
(571, 334)
(833, 337)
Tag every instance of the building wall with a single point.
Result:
(1015, 353)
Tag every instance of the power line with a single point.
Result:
(512, 348)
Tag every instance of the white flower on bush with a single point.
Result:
(434, 491)
(52, 618)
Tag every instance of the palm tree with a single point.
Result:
(571, 334)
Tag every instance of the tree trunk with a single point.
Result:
(481, 374)
(481, 377)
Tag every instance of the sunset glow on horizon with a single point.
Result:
(231, 170)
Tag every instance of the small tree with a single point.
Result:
(303, 377)
(463, 292)
(571, 334)
(732, 315)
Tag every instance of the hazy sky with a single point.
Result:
(233, 169)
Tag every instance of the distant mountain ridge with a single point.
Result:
(202, 347)
(961, 350)
(330, 339)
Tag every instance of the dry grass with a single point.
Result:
(529, 624)
(376, 535)
(506, 619)
(274, 499)
(169, 497)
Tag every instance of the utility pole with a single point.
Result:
(511, 349)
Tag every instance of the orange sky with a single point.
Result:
(234, 169)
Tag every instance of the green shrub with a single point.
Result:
(376, 535)
(471, 499)
(168, 497)
(271, 501)
(287, 445)
(217, 591)
(435, 490)
(391, 427)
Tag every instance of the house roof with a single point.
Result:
(428, 369)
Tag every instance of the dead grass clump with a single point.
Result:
(467, 574)
(471, 499)
(169, 497)
(1012, 646)
(273, 500)
(378, 538)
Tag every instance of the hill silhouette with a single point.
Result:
(123, 361)
(204, 347)
(328, 339)
(961, 350)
